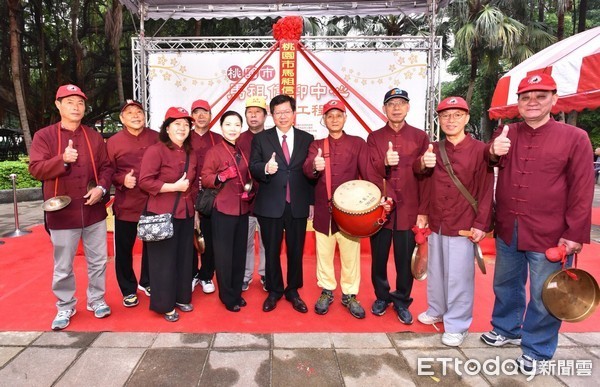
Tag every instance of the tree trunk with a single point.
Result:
(472, 76)
(541, 4)
(572, 118)
(77, 47)
(583, 5)
(560, 28)
(14, 7)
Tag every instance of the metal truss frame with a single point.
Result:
(141, 46)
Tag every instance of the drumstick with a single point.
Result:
(465, 233)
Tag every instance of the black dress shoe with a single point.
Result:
(234, 308)
(243, 302)
(299, 305)
(269, 304)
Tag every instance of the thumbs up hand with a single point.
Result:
(70, 154)
(501, 144)
(272, 165)
(391, 156)
(130, 181)
(319, 162)
(182, 184)
(428, 159)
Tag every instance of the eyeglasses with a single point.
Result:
(396, 104)
(283, 113)
(447, 116)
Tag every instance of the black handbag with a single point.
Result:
(205, 201)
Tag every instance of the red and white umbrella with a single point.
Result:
(574, 63)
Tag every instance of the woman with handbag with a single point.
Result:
(226, 169)
(164, 174)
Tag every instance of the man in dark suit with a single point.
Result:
(283, 200)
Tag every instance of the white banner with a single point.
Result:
(179, 78)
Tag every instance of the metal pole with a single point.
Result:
(17, 231)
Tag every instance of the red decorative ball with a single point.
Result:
(288, 28)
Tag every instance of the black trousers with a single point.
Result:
(271, 230)
(207, 259)
(404, 244)
(125, 235)
(230, 237)
(171, 267)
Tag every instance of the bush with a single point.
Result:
(24, 179)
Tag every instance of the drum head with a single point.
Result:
(356, 197)
(570, 299)
(418, 263)
(479, 258)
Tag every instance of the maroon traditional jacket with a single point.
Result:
(545, 185)
(348, 159)
(201, 145)
(448, 210)
(125, 152)
(46, 164)
(162, 165)
(402, 184)
(218, 158)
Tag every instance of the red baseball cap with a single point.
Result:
(452, 103)
(334, 104)
(177, 112)
(537, 82)
(131, 102)
(201, 104)
(67, 90)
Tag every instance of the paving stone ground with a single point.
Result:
(320, 359)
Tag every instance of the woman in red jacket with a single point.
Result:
(226, 168)
(164, 174)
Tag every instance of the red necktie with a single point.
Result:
(286, 153)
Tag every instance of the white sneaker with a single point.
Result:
(426, 319)
(454, 339)
(195, 283)
(207, 286)
(62, 319)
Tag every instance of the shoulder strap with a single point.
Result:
(327, 158)
(463, 190)
(187, 162)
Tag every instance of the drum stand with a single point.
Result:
(17, 231)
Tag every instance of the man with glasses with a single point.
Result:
(450, 265)
(392, 151)
(543, 199)
(202, 140)
(283, 201)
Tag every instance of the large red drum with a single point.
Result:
(356, 208)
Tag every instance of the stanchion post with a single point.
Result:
(17, 231)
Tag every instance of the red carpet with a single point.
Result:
(27, 302)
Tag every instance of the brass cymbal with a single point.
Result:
(56, 203)
(199, 241)
(418, 262)
(479, 258)
(571, 299)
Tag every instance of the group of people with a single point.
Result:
(273, 181)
